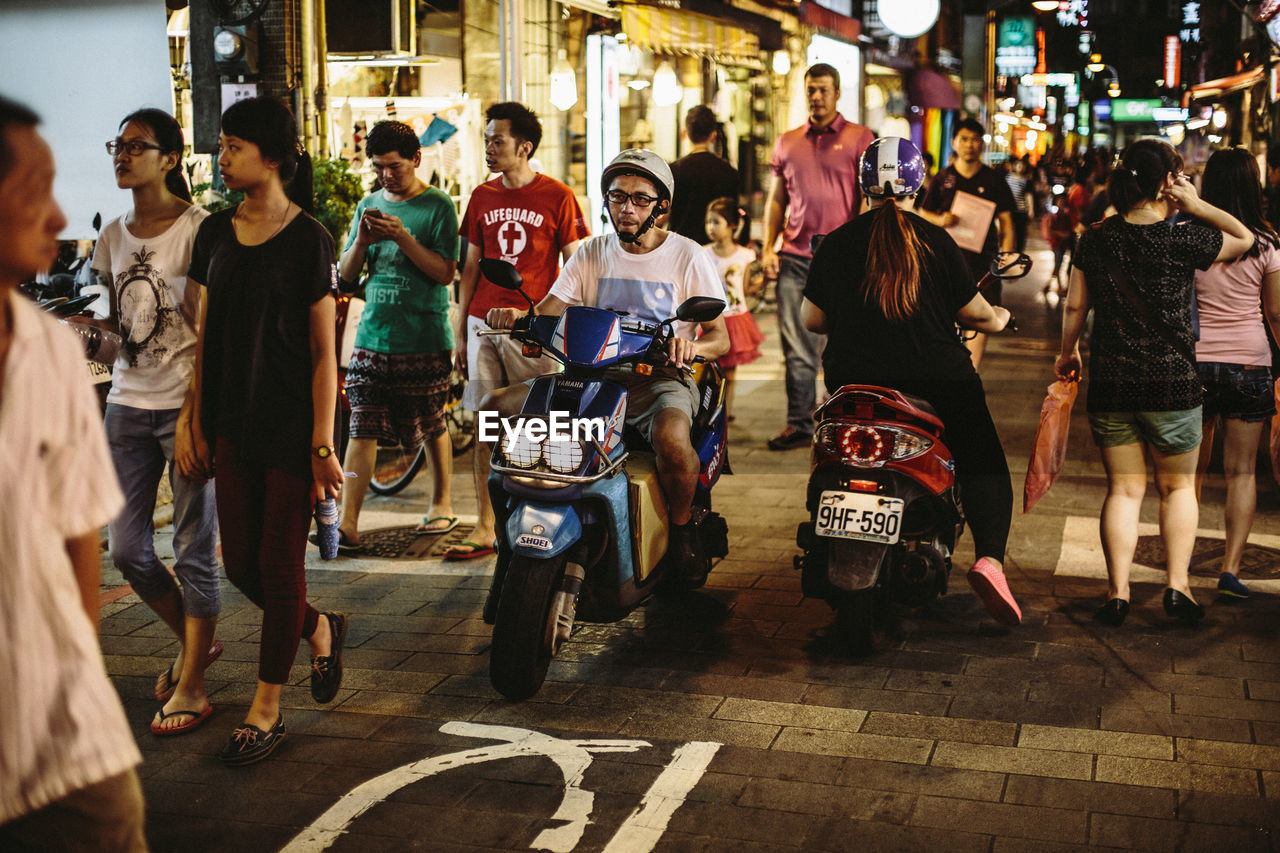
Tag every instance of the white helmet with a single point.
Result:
(646, 164)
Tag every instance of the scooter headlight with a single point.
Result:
(563, 457)
(520, 451)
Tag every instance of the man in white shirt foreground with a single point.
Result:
(67, 757)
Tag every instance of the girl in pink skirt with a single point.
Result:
(738, 269)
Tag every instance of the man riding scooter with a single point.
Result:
(646, 272)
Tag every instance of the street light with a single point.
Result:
(1044, 5)
(1095, 63)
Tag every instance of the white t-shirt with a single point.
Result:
(62, 727)
(1229, 298)
(733, 273)
(157, 310)
(649, 287)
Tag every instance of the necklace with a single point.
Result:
(279, 227)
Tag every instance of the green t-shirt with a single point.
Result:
(406, 311)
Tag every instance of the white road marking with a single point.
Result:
(644, 826)
(1081, 555)
(638, 834)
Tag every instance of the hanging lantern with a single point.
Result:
(564, 83)
(908, 18)
(666, 87)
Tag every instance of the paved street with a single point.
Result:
(728, 721)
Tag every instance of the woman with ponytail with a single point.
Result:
(1136, 271)
(141, 259)
(265, 401)
(888, 289)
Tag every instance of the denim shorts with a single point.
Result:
(1237, 392)
(1171, 433)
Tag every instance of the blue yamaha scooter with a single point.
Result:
(581, 520)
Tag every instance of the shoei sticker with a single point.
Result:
(540, 542)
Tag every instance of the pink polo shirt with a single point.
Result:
(1229, 298)
(820, 171)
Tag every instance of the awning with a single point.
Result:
(1223, 86)
(680, 32)
(930, 90)
(830, 23)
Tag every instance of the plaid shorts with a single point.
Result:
(398, 399)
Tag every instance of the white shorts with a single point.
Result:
(496, 361)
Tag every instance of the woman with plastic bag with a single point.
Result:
(1232, 352)
(1136, 271)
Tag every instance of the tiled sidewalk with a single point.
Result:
(956, 735)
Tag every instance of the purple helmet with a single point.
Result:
(891, 167)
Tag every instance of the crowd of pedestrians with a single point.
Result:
(229, 372)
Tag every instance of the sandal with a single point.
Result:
(197, 718)
(468, 551)
(164, 694)
(450, 522)
(345, 546)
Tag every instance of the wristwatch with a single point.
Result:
(324, 451)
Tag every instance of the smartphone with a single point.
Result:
(373, 211)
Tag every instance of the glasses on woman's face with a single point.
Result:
(640, 200)
(135, 147)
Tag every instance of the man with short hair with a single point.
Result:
(398, 379)
(701, 176)
(647, 272)
(67, 756)
(528, 220)
(814, 191)
(967, 173)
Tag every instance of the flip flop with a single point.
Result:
(197, 718)
(451, 521)
(474, 551)
(170, 684)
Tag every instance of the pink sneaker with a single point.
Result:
(989, 583)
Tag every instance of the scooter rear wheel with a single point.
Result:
(855, 622)
(524, 630)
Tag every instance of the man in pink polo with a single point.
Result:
(814, 191)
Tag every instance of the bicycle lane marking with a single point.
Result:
(640, 831)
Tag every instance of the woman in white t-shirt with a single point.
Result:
(142, 258)
(739, 270)
(1233, 356)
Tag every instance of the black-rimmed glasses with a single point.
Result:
(640, 200)
(135, 147)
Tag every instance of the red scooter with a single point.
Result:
(884, 508)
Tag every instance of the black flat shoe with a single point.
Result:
(326, 671)
(1181, 607)
(1113, 612)
(250, 743)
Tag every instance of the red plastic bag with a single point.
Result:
(1050, 447)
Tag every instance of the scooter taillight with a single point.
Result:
(868, 446)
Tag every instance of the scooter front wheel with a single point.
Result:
(525, 628)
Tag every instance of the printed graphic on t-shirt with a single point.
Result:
(151, 323)
(649, 301)
(512, 238)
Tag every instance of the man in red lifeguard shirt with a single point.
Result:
(531, 221)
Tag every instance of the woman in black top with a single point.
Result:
(888, 288)
(265, 400)
(1144, 388)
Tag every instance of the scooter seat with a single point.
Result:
(920, 403)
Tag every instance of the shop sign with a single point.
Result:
(1168, 114)
(1172, 62)
(1101, 110)
(1015, 46)
(1134, 109)
(1074, 14)
(1083, 124)
(1052, 79)
(1190, 32)
(840, 7)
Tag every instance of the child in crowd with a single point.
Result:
(741, 274)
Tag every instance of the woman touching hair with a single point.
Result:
(266, 400)
(1136, 271)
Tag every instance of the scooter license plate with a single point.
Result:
(852, 515)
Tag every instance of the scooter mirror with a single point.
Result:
(700, 309)
(501, 273)
(1009, 265)
(505, 275)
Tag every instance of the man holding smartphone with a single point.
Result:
(398, 381)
